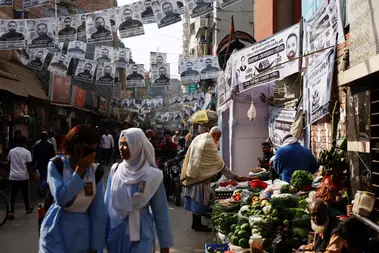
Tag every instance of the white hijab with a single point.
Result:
(128, 173)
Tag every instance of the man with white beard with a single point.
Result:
(327, 238)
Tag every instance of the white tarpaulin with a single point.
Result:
(279, 122)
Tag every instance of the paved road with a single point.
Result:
(21, 235)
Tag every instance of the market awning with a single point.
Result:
(20, 80)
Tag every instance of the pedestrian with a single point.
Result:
(75, 222)
(43, 152)
(21, 165)
(175, 138)
(12, 142)
(53, 141)
(107, 145)
(135, 186)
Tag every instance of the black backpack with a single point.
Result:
(58, 162)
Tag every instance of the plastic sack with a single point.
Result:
(276, 185)
(252, 113)
(327, 190)
(242, 213)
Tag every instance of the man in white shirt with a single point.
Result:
(21, 164)
(107, 145)
(175, 138)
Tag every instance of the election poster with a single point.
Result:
(147, 14)
(135, 75)
(167, 13)
(197, 8)
(122, 57)
(104, 53)
(12, 34)
(271, 59)
(189, 71)
(318, 81)
(23, 56)
(321, 26)
(26, 4)
(181, 59)
(40, 32)
(209, 67)
(6, 2)
(129, 20)
(85, 71)
(112, 17)
(158, 102)
(81, 28)
(161, 76)
(105, 73)
(176, 101)
(226, 3)
(98, 27)
(58, 47)
(279, 122)
(221, 90)
(181, 6)
(37, 58)
(158, 58)
(77, 49)
(59, 64)
(66, 27)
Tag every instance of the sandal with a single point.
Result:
(30, 210)
(11, 217)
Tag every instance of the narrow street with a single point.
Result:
(21, 235)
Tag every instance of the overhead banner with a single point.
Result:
(322, 23)
(59, 64)
(135, 75)
(162, 77)
(318, 81)
(189, 71)
(198, 8)
(279, 122)
(77, 49)
(271, 59)
(167, 13)
(105, 73)
(209, 67)
(85, 71)
(147, 14)
(60, 89)
(129, 20)
(98, 27)
(66, 26)
(37, 58)
(123, 56)
(40, 32)
(12, 34)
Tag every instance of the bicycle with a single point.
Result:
(4, 209)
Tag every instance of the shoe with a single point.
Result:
(197, 226)
(30, 210)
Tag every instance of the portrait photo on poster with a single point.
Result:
(163, 76)
(37, 58)
(104, 53)
(12, 34)
(135, 75)
(122, 58)
(40, 32)
(129, 20)
(158, 58)
(176, 101)
(166, 13)
(58, 47)
(189, 72)
(77, 49)
(59, 64)
(85, 71)
(147, 14)
(209, 67)
(67, 27)
(23, 56)
(105, 73)
(81, 29)
(112, 17)
(197, 8)
(98, 27)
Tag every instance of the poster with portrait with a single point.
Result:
(321, 25)
(147, 13)
(81, 27)
(187, 98)
(226, 3)
(129, 20)
(209, 67)
(167, 13)
(104, 53)
(162, 78)
(268, 60)
(181, 59)
(23, 56)
(279, 122)
(66, 27)
(85, 71)
(135, 75)
(197, 8)
(59, 64)
(190, 71)
(158, 102)
(112, 17)
(318, 81)
(98, 27)
(58, 47)
(40, 32)
(37, 58)
(181, 7)
(176, 101)
(26, 4)
(158, 58)
(12, 34)
(6, 2)
(77, 49)
(122, 57)
(221, 91)
(105, 73)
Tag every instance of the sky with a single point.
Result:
(166, 40)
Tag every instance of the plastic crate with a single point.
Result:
(224, 195)
(218, 247)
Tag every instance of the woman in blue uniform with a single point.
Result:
(136, 200)
(75, 222)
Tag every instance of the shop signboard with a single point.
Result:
(60, 89)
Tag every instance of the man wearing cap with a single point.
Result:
(175, 138)
(292, 156)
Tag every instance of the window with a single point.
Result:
(192, 28)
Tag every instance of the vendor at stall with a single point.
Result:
(267, 154)
(292, 156)
(216, 135)
(327, 238)
(201, 164)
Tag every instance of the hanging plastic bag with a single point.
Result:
(251, 113)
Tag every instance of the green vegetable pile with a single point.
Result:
(287, 189)
(301, 178)
(240, 235)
